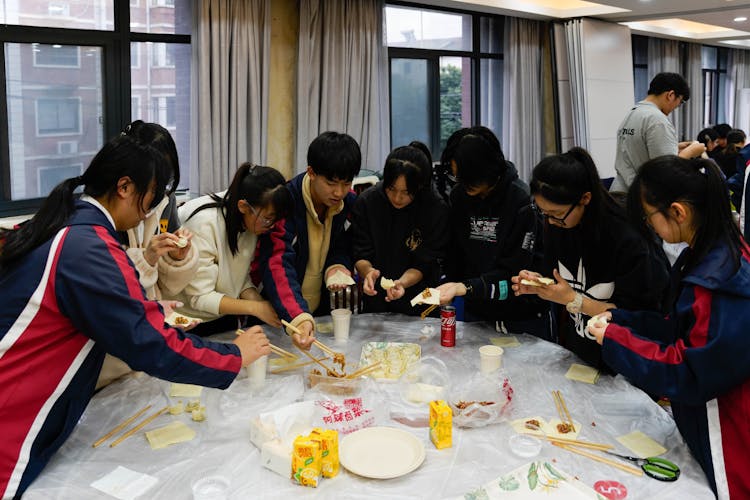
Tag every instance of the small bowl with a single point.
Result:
(211, 488)
(525, 446)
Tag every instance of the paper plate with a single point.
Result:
(381, 452)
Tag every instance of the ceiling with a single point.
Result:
(705, 21)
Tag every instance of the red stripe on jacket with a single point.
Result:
(735, 432)
(155, 317)
(276, 266)
(31, 370)
(702, 313)
(671, 355)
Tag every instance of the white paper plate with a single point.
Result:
(381, 452)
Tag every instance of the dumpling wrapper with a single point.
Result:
(387, 284)
(433, 299)
(172, 319)
(182, 243)
(538, 282)
(174, 433)
(596, 322)
(340, 278)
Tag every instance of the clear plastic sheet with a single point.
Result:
(222, 447)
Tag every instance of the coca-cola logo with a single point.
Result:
(448, 321)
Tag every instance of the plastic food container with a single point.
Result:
(334, 386)
(424, 381)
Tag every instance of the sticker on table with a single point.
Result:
(174, 433)
(611, 490)
(394, 358)
(185, 390)
(582, 373)
(505, 341)
(534, 480)
(641, 444)
(125, 484)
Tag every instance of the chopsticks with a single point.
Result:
(613, 463)
(364, 370)
(562, 409)
(275, 349)
(576, 442)
(428, 311)
(315, 360)
(295, 366)
(320, 345)
(120, 427)
(131, 431)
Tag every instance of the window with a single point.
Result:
(64, 89)
(714, 64)
(56, 56)
(640, 67)
(58, 116)
(445, 71)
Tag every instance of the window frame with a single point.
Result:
(116, 81)
(79, 119)
(432, 56)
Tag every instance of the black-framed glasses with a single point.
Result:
(264, 221)
(558, 220)
(647, 217)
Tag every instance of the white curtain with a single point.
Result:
(523, 130)
(664, 56)
(577, 75)
(738, 78)
(342, 82)
(230, 94)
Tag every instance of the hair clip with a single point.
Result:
(702, 170)
(126, 130)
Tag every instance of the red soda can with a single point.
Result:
(448, 326)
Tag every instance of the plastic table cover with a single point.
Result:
(606, 410)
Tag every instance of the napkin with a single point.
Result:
(125, 484)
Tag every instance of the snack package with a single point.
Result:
(306, 461)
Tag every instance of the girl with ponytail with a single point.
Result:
(71, 295)
(225, 228)
(597, 259)
(701, 361)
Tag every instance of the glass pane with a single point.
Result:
(707, 92)
(640, 83)
(427, 29)
(721, 99)
(491, 95)
(708, 56)
(491, 35)
(455, 96)
(410, 113)
(54, 114)
(640, 50)
(79, 14)
(161, 16)
(160, 92)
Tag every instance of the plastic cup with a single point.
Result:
(256, 372)
(341, 320)
(490, 358)
(211, 488)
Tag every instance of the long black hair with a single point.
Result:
(410, 162)
(564, 178)
(123, 156)
(698, 182)
(259, 186)
(160, 138)
(479, 158)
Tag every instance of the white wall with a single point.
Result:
(608, 74)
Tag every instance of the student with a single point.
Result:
(226, 227)
(308, 247)
(709, 137)
(494, 234)
(646, 132)
(152, 245)
(70, 294)
(701, 360)
(598, 260)
(400, 232)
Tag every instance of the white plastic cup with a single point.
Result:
(490, 358)
(256, 372)
(341, 320)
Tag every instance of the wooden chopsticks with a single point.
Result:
(613, 463)
(275, 349)
(320, 345)
(427, 311)
(575, 442)
(120, 427)
(294, 366)
(131, 431)
(562, 409)
(329, 371)
(364, 370)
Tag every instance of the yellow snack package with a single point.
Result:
(329, 450)
(441, 424)
(306, 461)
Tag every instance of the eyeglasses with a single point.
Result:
(264, 221)
(647, 217)
(558, 220)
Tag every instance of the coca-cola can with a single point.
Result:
(448, 326)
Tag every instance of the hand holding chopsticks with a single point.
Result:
(305, 336)
(276, 350)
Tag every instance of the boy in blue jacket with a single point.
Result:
(314, 242)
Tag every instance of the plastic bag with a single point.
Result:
(367, 407)
(484, 401)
